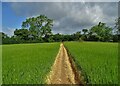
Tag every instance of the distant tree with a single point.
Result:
(5, 39)
(66, 37)
(117, 25)
(84, 36)
(116, 37)
(0, 38)
(103, 32)
(92, 37)
(50, 39)
(76, 36)
(3, 35)
(22, 34)
(58, 37)
(84, 31)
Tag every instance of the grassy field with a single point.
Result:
(0, 64)
(27, 63)
(99, 61)
(30, 63)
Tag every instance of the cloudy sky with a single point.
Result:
(68, 17)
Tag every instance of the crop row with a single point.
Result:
(98, 61)
(27, 63)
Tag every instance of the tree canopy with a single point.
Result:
(103, 32)
(38, 26)
(39, 29)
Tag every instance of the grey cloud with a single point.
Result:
(70, 17)
(60, 0)
(50, 9)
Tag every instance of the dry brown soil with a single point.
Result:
(63, 70)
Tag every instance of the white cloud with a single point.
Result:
(8, 31)
(60, 0)
(70, 17)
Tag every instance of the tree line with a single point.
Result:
(38, 30)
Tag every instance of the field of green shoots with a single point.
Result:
(0, 64)
(27, 63)
(98, 61)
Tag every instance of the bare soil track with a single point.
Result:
(63, 70)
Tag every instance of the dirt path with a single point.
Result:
(63, 70)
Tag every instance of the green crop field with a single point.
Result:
(0, 64)
(30, 63)
(27, 63)
(98, 61)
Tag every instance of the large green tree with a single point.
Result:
(39, 26)
(103, 32)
